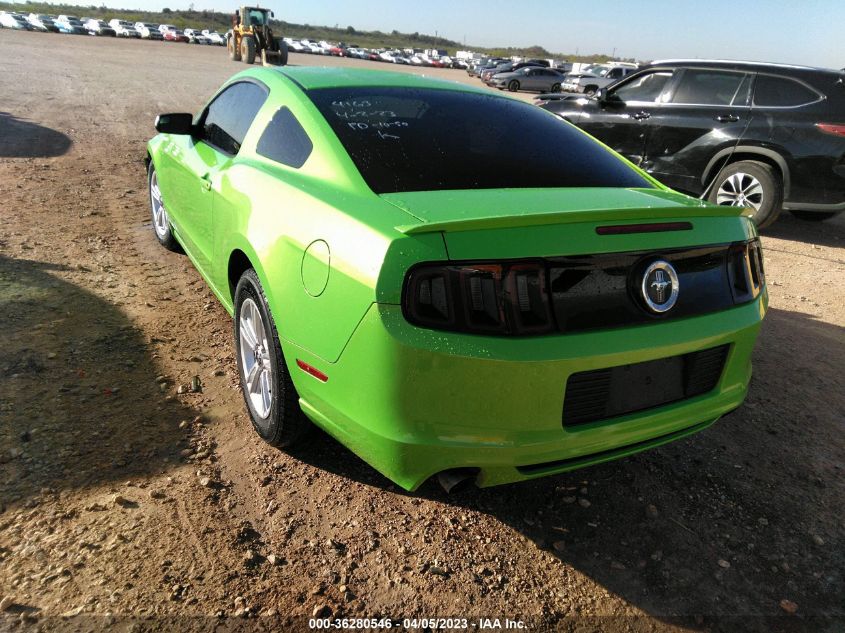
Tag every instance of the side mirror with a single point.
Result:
(175, 123)
(272, 15)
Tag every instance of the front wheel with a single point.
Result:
(750, 184)
(161, 220)
(555, 87)
(814, 216)
(248, 50)
(268, 390)
(234, 51)
(513, 86)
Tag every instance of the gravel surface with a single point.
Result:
(126, 505)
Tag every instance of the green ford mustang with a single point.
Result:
(452, 282)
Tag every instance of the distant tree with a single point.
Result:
(394, 32)
(350, 30)
(166, 10)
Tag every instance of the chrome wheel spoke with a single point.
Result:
(265, 390)
(253, 379)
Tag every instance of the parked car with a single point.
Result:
(195, 37)
(219, 40)
(763, 136)
(163, 28)
(565, 308)
(148, 31)
(597, 77)
(176, 35)
(123, 28)
(71, 26)
(487, 75)
(98, 27)
(529, 78)
(476, 70)
(41, 22)
(14, 21)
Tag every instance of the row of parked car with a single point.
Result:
(436, 58)
(539, 75)
(115, 27)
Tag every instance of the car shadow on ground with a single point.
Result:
(20, 138)
(79, 402)
(829, 232)
(717, 528)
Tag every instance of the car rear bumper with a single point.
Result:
(413, 402)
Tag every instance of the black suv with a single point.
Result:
(766, 136)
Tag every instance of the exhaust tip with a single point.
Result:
(457, 479)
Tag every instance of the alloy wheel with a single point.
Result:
(255, 358)
(161, 222)
(740, 190)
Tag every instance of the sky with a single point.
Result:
(809, 32)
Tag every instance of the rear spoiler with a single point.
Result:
(568, 217)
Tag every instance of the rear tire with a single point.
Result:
(590, 90)
(556, 88)
(749, 183)
(814, 216)
(513, 86)
(274, 411)
(234, 51)
(248, 50)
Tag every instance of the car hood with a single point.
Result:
(466, 210)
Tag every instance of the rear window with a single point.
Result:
(710, 87)
(780, 92)
(412, 139)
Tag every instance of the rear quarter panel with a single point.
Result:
(272, 213)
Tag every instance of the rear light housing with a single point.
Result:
(745, 270)
(484, 298)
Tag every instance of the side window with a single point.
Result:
(647, 87)
(227, 118)
(708, 87)
(781, 92)
(284, 140)
(615, 73)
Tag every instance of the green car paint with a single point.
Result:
(332, 257)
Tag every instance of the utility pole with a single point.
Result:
(614, 53)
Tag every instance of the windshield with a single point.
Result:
(412, 139)
(256, 17)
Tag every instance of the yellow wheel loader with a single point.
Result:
(252, 37)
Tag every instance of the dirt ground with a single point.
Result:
(127, 506)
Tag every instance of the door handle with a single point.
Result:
(727, 118)
(205, 181)
(640, 116)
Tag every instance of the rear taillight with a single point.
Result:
(837, 129)
(483, 298)
(745, 270)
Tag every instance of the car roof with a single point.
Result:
(313, 77)
(731, 63)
